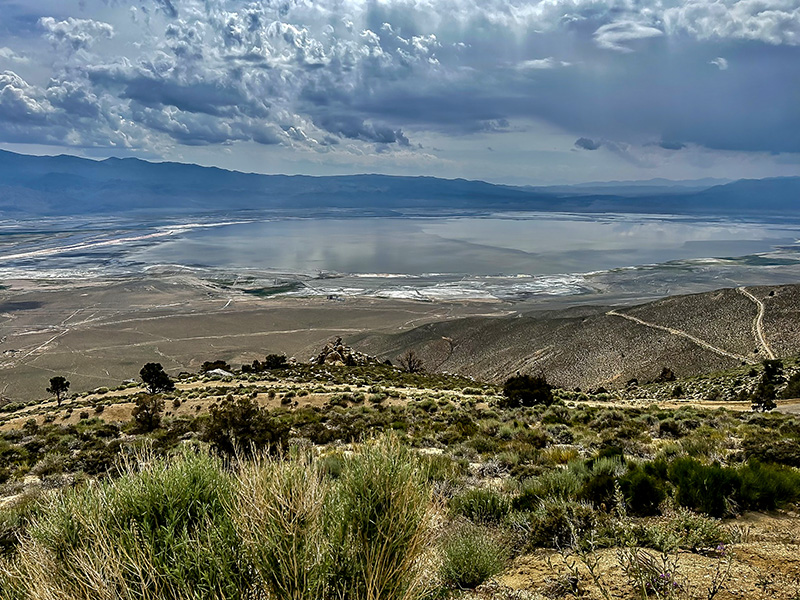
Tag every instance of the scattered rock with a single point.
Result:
(220, 372)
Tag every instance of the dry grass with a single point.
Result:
(186, 528)
(279, 510)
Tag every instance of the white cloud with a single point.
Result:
(77, 34)
(719, 62)
(18, 101)
(770, 21)
(613, 36)
(540, 63)
(9, 55)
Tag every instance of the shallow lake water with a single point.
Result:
(528, 244)
(499, 256)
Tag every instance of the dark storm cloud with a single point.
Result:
(355, 128)
(73, 99)
(338, 75)
(196, 97)
(587, 144)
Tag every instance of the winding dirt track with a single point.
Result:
(684, 334)
(758, 322)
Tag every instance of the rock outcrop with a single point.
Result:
(335, 353)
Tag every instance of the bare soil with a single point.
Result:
(765, 564)
(100, 333)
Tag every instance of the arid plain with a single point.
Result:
(98, 333)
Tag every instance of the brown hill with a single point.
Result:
(593, 346)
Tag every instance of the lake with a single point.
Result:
(499, 256)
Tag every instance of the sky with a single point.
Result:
(554, 91)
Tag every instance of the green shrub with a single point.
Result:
(159, 532)
(766, 447)
(480, 505)
(565, 484)
(240, 425)
(14, 521)
(533, 436)
(599, 489)
(470, 555)
(553, 523)
(695, 532)
(526, 390)
(50, 464)
(147, 412)
(765, 487)
(792, 389)
(332, 465)
(561, 434)
(608, 418)
(381, 507)
(705, 488)
(599, 486)
(439, 467)
(556, 415)
(643, 492)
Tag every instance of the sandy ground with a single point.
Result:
(100, 333)
(764, 564)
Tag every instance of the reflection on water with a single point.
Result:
(504, 256)
(527, 244)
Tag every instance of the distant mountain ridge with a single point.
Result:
(68, 185)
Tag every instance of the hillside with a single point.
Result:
(594, 346)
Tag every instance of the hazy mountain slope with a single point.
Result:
(65, 185)
(690, 334)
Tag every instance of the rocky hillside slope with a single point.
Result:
(593, 346)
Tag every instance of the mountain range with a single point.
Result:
(66, 185)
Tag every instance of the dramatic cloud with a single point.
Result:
(377, 82)
(18, 102)
(769, 21)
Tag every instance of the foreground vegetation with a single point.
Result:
(273, 485)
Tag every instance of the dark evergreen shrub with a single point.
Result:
(765, 487)
(526, 390)
(240, 425)
(642, 492)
